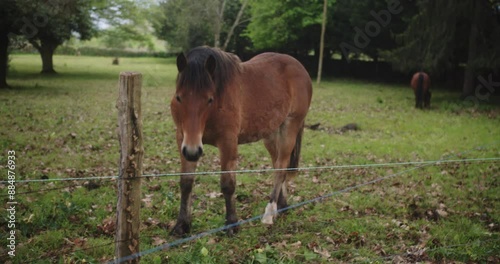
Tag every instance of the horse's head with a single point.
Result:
(193, 102)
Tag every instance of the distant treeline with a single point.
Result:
(102, 52)
(380, 71)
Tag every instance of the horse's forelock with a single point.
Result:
(196, 77)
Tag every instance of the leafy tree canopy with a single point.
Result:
(284, 24)
(47, 24)
(186, 24)
(126, 21)
(437, 37)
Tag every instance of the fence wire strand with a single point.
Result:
(258, 171)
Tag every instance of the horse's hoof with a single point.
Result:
(282, 205)
(270, 213)
(233, 229)
(180, 229)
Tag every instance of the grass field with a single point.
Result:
(65, 125)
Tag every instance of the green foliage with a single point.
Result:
(55, 21)
(9, 12)
(437, 38)
(128, 21)
(187, 24)
(119, 38)
(348, 15)
(281, 24)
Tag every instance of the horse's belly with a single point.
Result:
(261, 126)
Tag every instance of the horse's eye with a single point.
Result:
(210, 100)
(178, 98)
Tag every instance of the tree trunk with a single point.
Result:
(235, 24)
(46, 50)
(469, 76)
(219, 20)
(47, 53)
(4, 59)
(322, 43)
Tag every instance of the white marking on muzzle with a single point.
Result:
(192, 150)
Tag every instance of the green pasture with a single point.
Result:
(64, 126)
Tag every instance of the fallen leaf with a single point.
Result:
(148, 201)
(107, 227)
(158, 241)
(441, 213)
(297, 244)
(204, 251)
(152, 222)
(213, 194)
(322, 252)
(154, 188)
(211, 241)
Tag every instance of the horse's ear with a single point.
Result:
(210, 65)
(181, 62)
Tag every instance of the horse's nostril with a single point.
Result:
(200, 151)
(184, 151)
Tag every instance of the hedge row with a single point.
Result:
(92, 51)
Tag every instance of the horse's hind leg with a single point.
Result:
(427, 103)
(417, 101)
(284, 142)
(271, 147)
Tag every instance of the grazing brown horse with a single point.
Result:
(420, 82)
(223, 102)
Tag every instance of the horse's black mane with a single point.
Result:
(196, 77)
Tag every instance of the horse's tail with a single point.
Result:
(419, 93)
(295, 156)
(420, 89)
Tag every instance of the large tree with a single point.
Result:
(126, 22)
(186, 24)
(447, 33)
(368, 26)
(47, 24)
(9, 13)
(290, 26)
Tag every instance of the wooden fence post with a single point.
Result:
(131, 153)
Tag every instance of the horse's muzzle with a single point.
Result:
(192, 154)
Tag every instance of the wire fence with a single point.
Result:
(257, 171)
(175, 243)
(415, 166)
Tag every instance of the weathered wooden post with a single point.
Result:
(131, 153)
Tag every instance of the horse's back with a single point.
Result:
(274, 87)
(281, 72)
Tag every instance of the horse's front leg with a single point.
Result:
(183, 225)
(229, 159)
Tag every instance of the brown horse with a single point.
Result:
(223, 102)
(420, 82)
